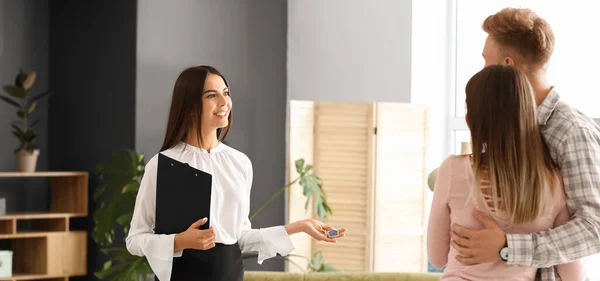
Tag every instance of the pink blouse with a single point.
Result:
(450, 205)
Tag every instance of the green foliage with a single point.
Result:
(121, 179)
(312, 189)
(126, 267)
(318, 265)
(18, 96)
(116, 196)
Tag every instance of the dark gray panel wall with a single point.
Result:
(90, 50)
(246, 40)
(92, 61)
(23, 44)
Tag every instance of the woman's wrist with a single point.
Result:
(295, 227)
(177, 243)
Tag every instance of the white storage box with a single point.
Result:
(6, 263)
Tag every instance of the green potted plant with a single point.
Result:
(115, 199)
(24, 128)
(120, 179)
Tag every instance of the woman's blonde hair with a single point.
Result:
(511, 162)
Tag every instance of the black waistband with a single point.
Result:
(220, 263)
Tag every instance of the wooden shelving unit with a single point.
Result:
(49, 250)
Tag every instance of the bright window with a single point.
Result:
(572, 67)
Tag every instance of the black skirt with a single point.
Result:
(220, 263)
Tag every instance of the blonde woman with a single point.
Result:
(509, 175)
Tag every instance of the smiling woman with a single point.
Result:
(178, 243)
(201, 102)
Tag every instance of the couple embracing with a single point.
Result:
(525, 205)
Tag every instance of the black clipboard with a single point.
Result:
(182, 196)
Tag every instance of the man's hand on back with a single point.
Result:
(478, 246)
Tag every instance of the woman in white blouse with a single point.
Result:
(199, 119)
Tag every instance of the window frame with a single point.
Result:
(454, 123)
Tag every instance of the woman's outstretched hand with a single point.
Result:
(315, 229)
(319, 230)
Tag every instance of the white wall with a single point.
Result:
(349, 50)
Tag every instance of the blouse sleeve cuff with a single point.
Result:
(176, 254)
(275, 240)
(160, 256)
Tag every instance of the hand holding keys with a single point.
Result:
(332, 233)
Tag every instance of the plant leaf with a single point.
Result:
(316, 261)
(18, 135)
(21, 76)
(28, 83)
(105, 220)
(30, 135)
(321, 212)
(15, 91)
(125, 219)
(10, 101)
(131, 187)
(30, 108)
(307, 168)
(329, 268)
(126, 267)
(140, 159)
(116, 196)
(132, 157)
(18, 129)
(311, 181)
(99, 191)
(107, 264)
(299, 165)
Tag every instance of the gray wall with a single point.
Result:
(349, 50)
(92, 61)
(23, 44)
(246, 40)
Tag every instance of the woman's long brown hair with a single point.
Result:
(186, 106)
(510, 158)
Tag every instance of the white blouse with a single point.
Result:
(230, 208)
